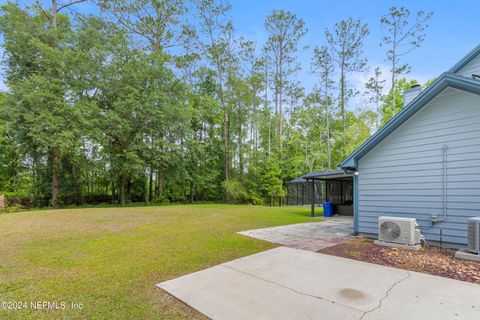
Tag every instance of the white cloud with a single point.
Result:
(359, 79)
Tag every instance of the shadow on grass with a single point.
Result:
(16, 209)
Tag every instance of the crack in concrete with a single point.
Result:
(380, 302)
(291, 289)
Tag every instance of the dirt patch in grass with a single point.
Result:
(432, 260)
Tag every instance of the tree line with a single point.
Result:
(162, 101)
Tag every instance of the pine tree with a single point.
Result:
(346, 43)
(322, 65)
(402, 36)
(284, 31)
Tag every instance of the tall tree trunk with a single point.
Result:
(55, 165)
(321, 153)
(394, 65)
(113, 191)
(54, 153)
(54, 14)
(161, 180)
(377, 100)
(327, 111)
(157, 185)
(280, 103)
(123, 182)
(342, 107)
(252, 119)
(329, 152)
(146, 187)
(218, 64)
(78, 190)
(266, 110)
(269, 138)
(150, 186)
(392, 90)
(240, 142)
(227, 153)
(129, 186)
(192, 187)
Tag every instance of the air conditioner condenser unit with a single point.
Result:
(401, 232)
(472, 251)
(474, 235)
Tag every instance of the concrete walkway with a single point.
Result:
(311, 236)
(286, 283)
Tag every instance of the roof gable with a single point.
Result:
(465, 60)
(445, 80)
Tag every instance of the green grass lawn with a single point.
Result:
(110, 259)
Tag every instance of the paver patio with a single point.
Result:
(311, 236)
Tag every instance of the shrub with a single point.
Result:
(237, 193)
(14, 208)
(25, 200)
(160, 200)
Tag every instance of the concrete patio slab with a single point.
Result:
(329, 277)
(225, 293)
(286, 283)
(311, 236)
(423, 296)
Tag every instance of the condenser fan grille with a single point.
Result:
(390, 230)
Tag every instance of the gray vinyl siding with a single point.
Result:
(402, 175)
(471, 68)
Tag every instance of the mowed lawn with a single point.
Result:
(109, 259)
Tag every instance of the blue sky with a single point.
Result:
(452, 33)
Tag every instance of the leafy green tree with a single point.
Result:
(306, 137)
(322, 65)
(10, 160)
(253, 65)
(164, 27)
(285, 30)
(138, 96)
(218, 50)
(402, 36)
(346, 43)
(359, 128)
(162, 23)
(44, 119)
(387, 109)
(131, 104)
(374, 87)
(270, 181)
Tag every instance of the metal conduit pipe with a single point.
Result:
(445, 187)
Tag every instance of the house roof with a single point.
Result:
(323, 174)
(313, 174)
(318, 175)
(298, 179)
(447, 79)
(327, 174)
(465, 60)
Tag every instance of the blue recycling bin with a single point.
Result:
(327, 209)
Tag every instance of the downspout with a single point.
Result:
(435, 218)
(355, 200)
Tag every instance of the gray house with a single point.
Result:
(425, 162)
